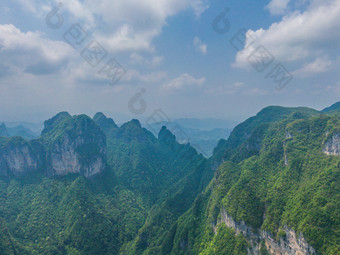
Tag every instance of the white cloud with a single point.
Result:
(184, 81)
(79, 10)
(129, 25)
(320, 65)
(126, 38)
(277, 7)
(199, 7)
(136, 58)
(28, 5)
(86, 74)
(298, 37)
(200, 46)
(31, 52)
(133, 24)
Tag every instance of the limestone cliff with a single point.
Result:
(68, 145)
(290, 244)
(75, 145)
(18, 157)
(332, 145)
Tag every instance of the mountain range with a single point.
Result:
(89, 186)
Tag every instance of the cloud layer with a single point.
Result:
(300, 37)
(31, 52)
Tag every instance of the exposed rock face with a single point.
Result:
(19, 158)
(78, 155)
(74, 145)
(68, 145)
(332, 145)
(291, 244)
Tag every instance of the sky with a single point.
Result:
(166, 59)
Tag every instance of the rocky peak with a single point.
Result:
(166, 136)
(103, 122)
(53, 122)
(133, 130)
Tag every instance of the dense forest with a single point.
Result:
(89, 186)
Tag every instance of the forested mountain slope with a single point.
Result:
(278, 188)
(88, 186)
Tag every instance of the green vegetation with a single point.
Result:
(159, 197)
(66, 215)
(285, 180)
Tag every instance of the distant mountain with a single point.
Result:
(206, 124)
(23, 132)
(17, 131)
(333, 108)
(36, 128)
(203, 141)
(3, 130)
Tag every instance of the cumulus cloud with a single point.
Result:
(200, 46)
(199, 7)
(128, 25)
(277, 7)
(299, 36)
(31, 52)
(184, 81)
(320, 65)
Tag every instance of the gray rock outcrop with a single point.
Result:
(332, 145)
(291, 244)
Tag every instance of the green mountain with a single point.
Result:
(333, 108)
(276, 192)
(87, 186)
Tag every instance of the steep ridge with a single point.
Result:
(333, 108)
(147, 165)
(57, 198)
(166, 174)
(87, 186)
(246, 137)
(280, 196)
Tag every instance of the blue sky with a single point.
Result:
(172, 55)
